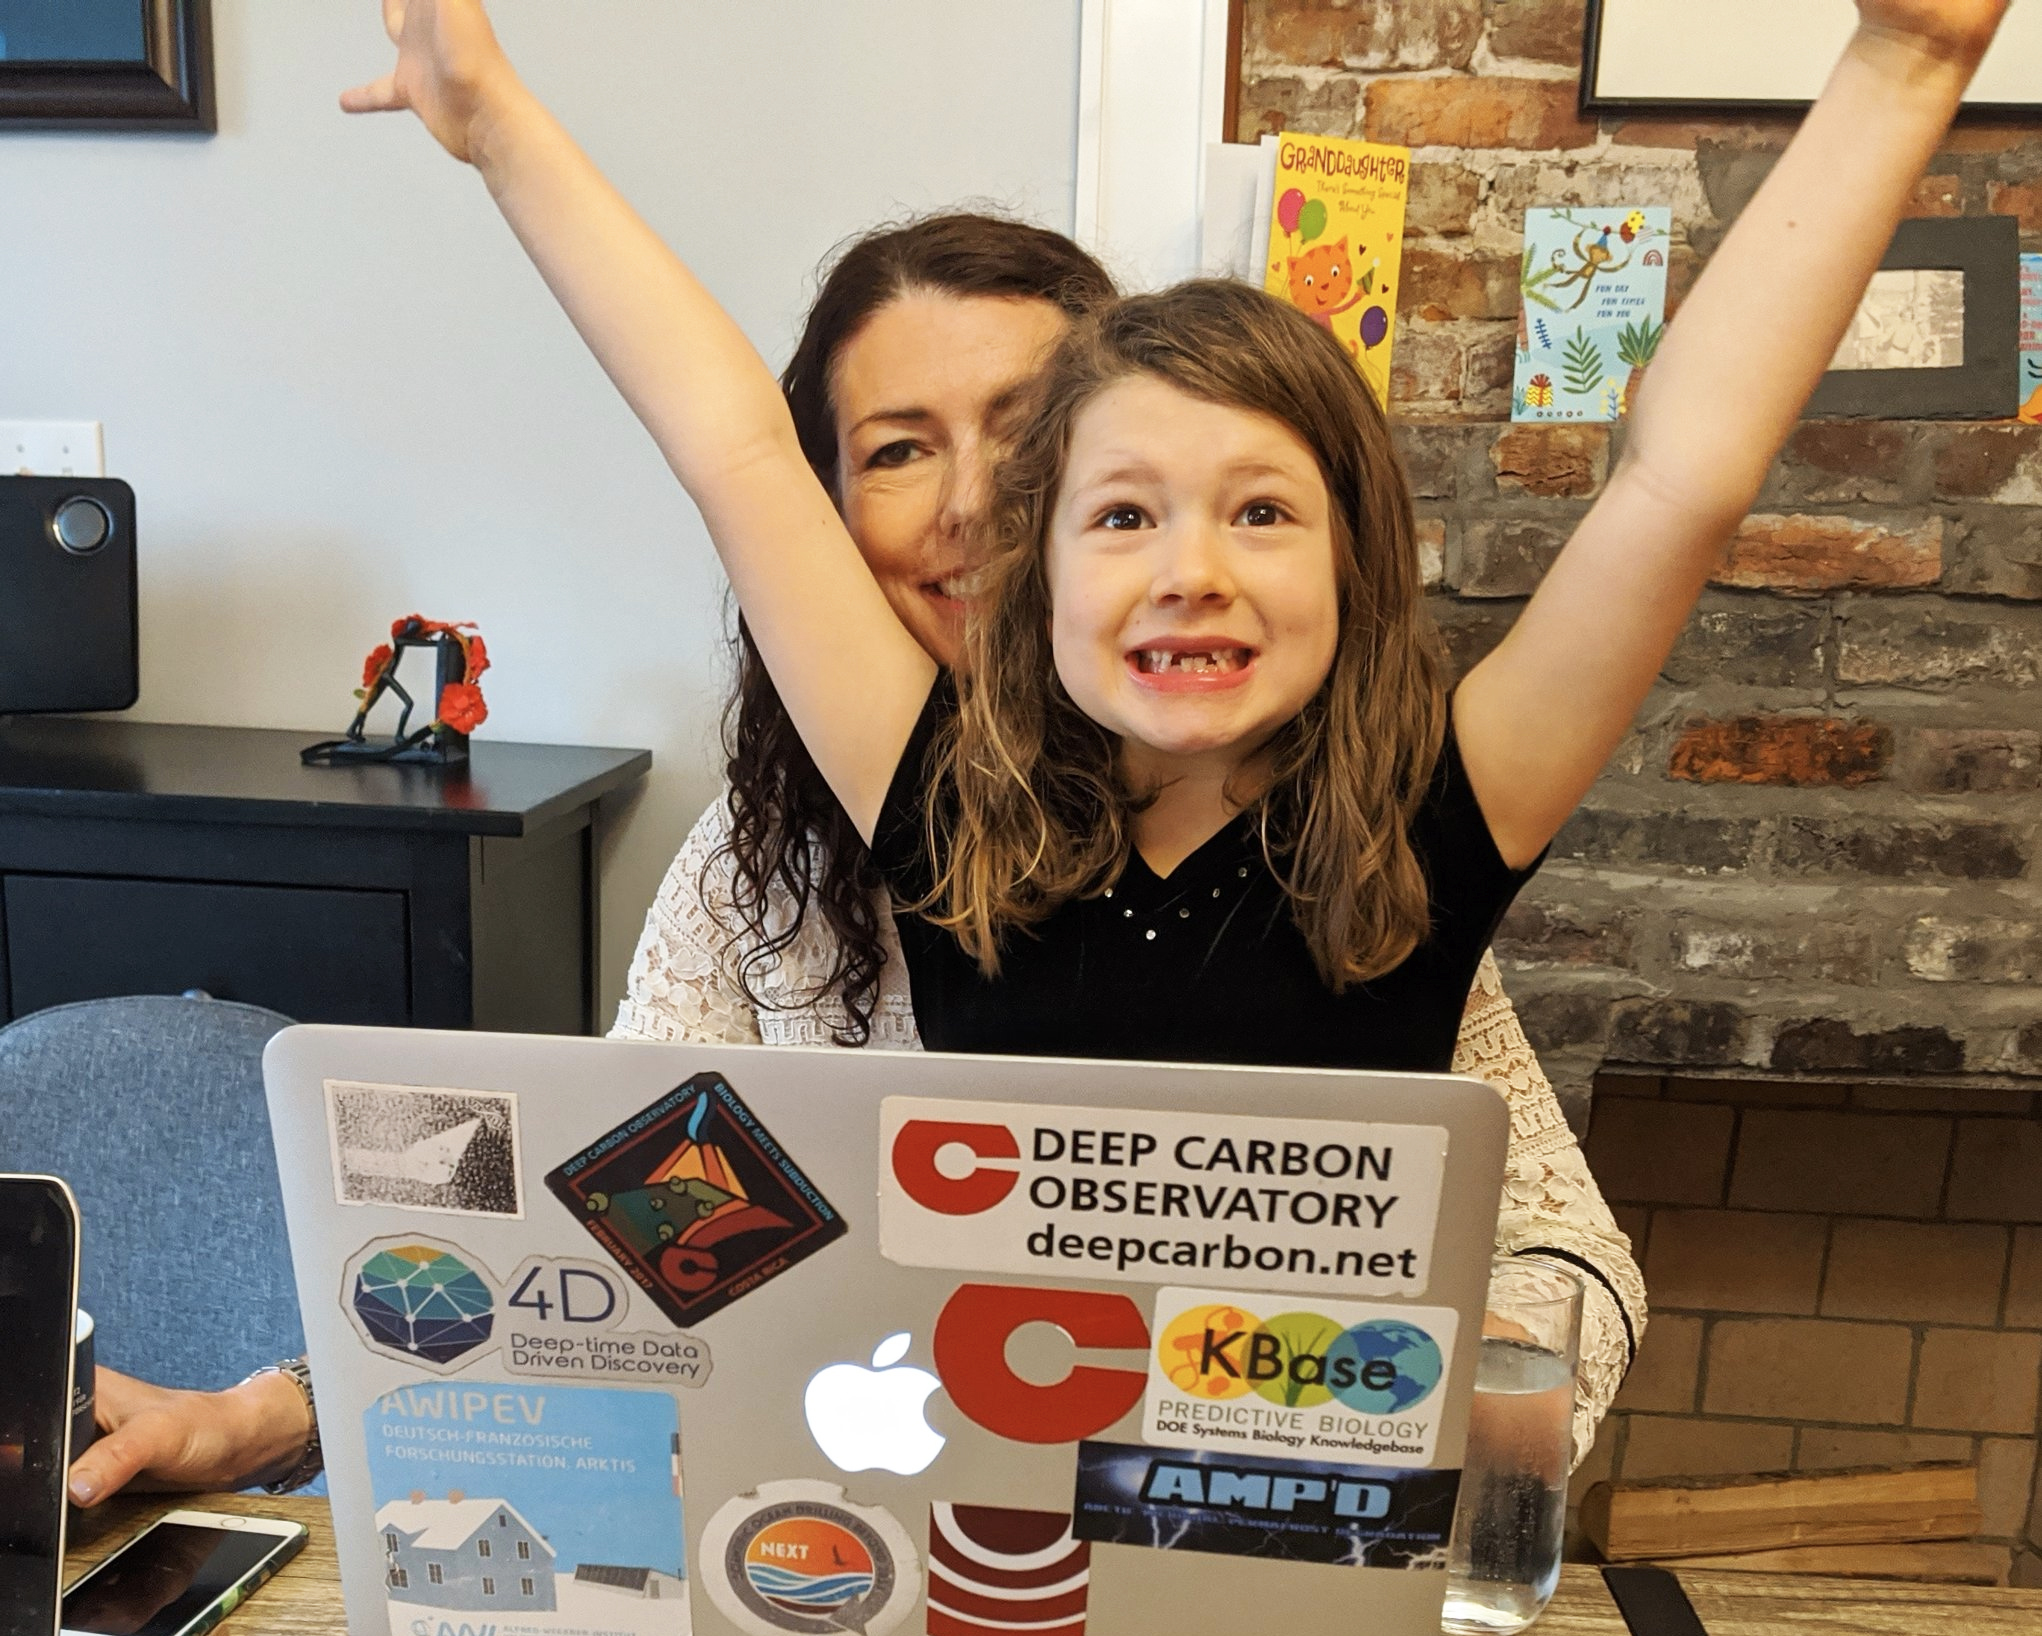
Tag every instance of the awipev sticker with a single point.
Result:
(1243, 1505)
(695, 1200)
(1309, 1379)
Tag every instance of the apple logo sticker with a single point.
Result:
(864, 1419)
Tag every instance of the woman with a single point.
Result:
(772, 928)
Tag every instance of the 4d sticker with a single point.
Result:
(798, 1556)
(419, 1299)
(993, 1570)
(696, 1201)
(1245, 1505)
(1328, 1206)
(560, 1320)
(1324, 1380)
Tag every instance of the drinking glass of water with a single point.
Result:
(1504, 1559)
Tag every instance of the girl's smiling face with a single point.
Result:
(1191, 577)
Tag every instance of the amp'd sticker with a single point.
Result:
(541, 1510)
(1331, 1206)
(450, 1151)
(1316, 1380)
(696, 1201)
(993, 1572)
(798, 1556)
(1281, 1510)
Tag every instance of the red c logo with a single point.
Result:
(914, 1165)
(971, 1356)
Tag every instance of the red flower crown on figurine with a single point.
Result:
(460, 707)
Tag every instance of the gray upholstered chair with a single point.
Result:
(152, 1109)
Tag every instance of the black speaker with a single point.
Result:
(68, 637)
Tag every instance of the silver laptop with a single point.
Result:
(944, 1344)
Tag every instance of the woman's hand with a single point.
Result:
(154, 1437)
(1954, 29)
(449, 71)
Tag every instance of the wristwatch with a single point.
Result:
(313, 1460)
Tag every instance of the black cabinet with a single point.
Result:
(137, 858)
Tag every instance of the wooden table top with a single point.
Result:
(304, 1599)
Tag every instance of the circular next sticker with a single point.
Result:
(798, 1556)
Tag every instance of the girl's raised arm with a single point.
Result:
(853, 679)
(1538, 718)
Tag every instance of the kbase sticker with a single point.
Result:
(427, 1302)
(1244, 1505)
(797, 1556)
(993, 1571)
(424, 1149)
(696, 1201)
(545, 1510)
(1332, 1206)
(1313, 1380)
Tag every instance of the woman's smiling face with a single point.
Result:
(925, 395)
(1191, 577)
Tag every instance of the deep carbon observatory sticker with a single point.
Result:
(1332, 1206)
(1281, 1510)
(798, 1556)
(1313, 1380)
(696, 1201)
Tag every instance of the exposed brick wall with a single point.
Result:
(1821, 849)
(1840, 1275)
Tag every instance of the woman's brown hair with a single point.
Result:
(786, 829)
(1027, 809)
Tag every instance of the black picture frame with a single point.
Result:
(1594, 102)
(171, 90)
(1987, 385)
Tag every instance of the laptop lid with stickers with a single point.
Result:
(943, 1344)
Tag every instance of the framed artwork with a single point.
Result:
(1937, 335)
(122, 65)
(1670, 56)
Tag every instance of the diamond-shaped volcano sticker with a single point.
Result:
(421, 1300)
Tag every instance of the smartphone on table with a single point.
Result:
(180, 1576)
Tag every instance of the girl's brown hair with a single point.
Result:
(1028, 810)
(788, 833)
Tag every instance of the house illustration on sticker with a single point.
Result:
(474, 1555)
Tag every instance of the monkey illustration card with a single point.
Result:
(1591, 310)
(696, 1201)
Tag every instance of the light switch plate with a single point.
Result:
(52, 448)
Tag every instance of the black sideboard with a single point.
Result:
(138, 858)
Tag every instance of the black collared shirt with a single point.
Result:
(1205, 964)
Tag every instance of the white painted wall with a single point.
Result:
(341, 394)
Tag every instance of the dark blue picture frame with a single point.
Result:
(169, 89)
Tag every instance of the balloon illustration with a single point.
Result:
(1287, 209)
(1375, 324)
(1312, 219)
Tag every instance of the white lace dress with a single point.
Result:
(682, 987)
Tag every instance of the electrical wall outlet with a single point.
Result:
(52, 448)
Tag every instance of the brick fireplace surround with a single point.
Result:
(1794, 939)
